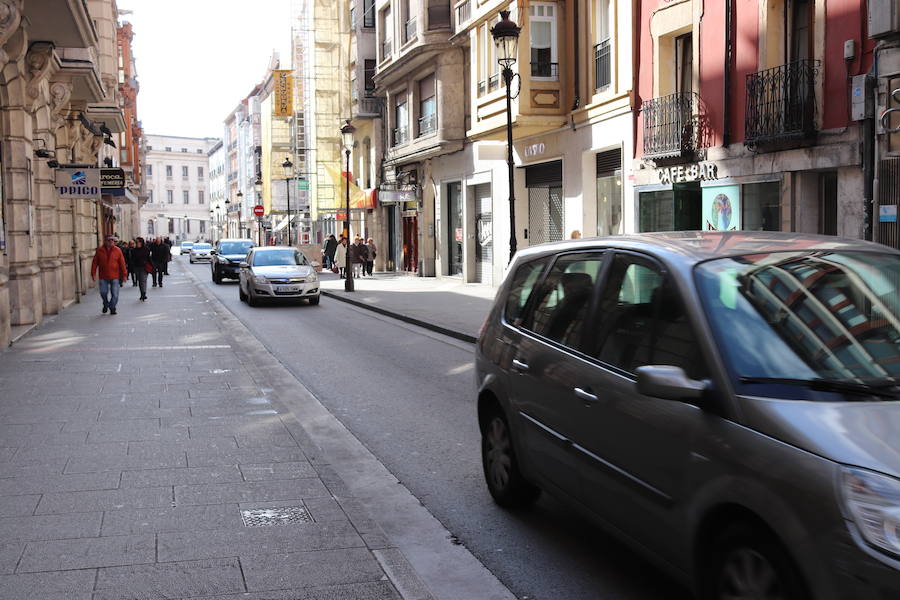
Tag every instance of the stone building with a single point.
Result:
(59, 104)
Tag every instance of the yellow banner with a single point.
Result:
(358, 198)
(284, 94)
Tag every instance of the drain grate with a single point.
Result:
(284, 515)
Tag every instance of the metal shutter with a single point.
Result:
(484, 234)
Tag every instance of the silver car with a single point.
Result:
(200, 252)
(272, 272)
(727, 403)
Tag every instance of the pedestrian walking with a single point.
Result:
(329, 250)
(359, 254)
(168, 243)
(142, 264)
(340, 257)
(160, 254)
(370, 262)
(129, 262)
(109, 264)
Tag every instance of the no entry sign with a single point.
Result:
(259, 210)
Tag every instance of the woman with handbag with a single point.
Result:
(142, 264)
(340, 256)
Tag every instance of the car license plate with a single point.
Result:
(288, 288)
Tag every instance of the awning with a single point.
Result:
(283, 223)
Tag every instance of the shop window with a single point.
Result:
(761, 206)
(542, 21)
(677, 209)
(609, 192)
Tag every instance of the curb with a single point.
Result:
(465, 337)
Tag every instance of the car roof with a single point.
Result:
(696, 246)
(236, 240)
(265, 248)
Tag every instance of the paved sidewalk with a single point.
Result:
(162, 453)
(445, 305)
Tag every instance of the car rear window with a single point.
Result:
(235, 247)
(202, 246)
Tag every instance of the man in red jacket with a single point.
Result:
(110, 261)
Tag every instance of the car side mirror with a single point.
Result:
(212, 252)
(669, 383)
(243, 264)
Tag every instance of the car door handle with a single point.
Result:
(586, 396)
(518, 365)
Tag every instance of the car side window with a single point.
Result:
(563, 301)
(523, 282)
(642, 321)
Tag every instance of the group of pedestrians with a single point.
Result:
(116, 261)
(362, 256)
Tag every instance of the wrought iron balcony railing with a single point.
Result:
(482, 87)
(781, 104)
(671, 125)
(544, 69)
(493, 82)
(427, 124)
(602, 65)
(400, 136)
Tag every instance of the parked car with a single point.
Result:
(227, 257)
(183, 248)
(727, 403)
(272, 272)
(200, 251)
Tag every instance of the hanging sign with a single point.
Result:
(284, 93)
(112, 179)
(705, 171)
(78, 183)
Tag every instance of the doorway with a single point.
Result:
(455, 239)
(484, 234)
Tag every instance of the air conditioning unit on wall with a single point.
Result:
(884, 18)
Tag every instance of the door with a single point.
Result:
(410, 244)
(546, 361)
(634, 450)
(484, 234)
(455, 229)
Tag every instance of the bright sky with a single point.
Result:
(196, 59)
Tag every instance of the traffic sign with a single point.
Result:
(259, 210)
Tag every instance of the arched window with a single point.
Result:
(150, 227)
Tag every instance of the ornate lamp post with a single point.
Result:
(288, 167)
(257, 187)
(240, 203)
(506, 38)
(347, 132)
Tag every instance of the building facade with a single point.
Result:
(59, 105)
(177, 175)
(216, 190)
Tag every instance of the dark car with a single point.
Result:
(727, 403)
(227, 257)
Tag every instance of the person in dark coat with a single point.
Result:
(329, 250)
(141, 263)
(160, 254)
(359, 255)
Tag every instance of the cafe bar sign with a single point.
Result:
(704, 171)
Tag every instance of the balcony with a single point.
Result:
(369, 106)
(409, 31)
(602, 65)
(671, 125)
(427, 124)
(781, 105)
(546, 69)
(399, 136)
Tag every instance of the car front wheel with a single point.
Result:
(314, 300)
(501, 468)
(745, 561)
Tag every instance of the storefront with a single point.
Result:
(400, 218)
(546, 209)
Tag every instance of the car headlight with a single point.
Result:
(259, 279)
(874, 503)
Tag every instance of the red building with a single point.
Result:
(744, 117)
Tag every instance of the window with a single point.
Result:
(200, 198)
(149, 169)
(184, 171)
(170, 196)
(185, 196)
(369, 13)
(369, 77)
(609, 192)
(523, 283)
(542, 18)
(150, 196)
(200, 172)
(387, 26)
(199, 151)
(562, 302)
(202, 226)
(427, 106)
(168, 148)
(184, 149)
(168, 170)
(761, 206)
(684, 63)
(150, 226)
(401, 120)
(489, 77)
(643, 321)
(187, 225)
(171, 226)
(603, 49)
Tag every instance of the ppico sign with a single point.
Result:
(78, 183)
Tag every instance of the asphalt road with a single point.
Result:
(408, 395)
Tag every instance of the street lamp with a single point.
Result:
(506, 38)
(257, 187)
(288, 167)
(240, 203)
(347, 132)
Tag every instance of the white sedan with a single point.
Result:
(200, 252)
(271, 272)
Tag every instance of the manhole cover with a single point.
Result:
(285, 515)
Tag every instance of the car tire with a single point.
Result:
(241, 293)
(314, 301)
(745, 560)
(505, 482)
(251, 300)
(217, 279)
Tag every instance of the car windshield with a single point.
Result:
(187, 244)
(795, 318)
(235, 247)
(202, 246)
(271, 258)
